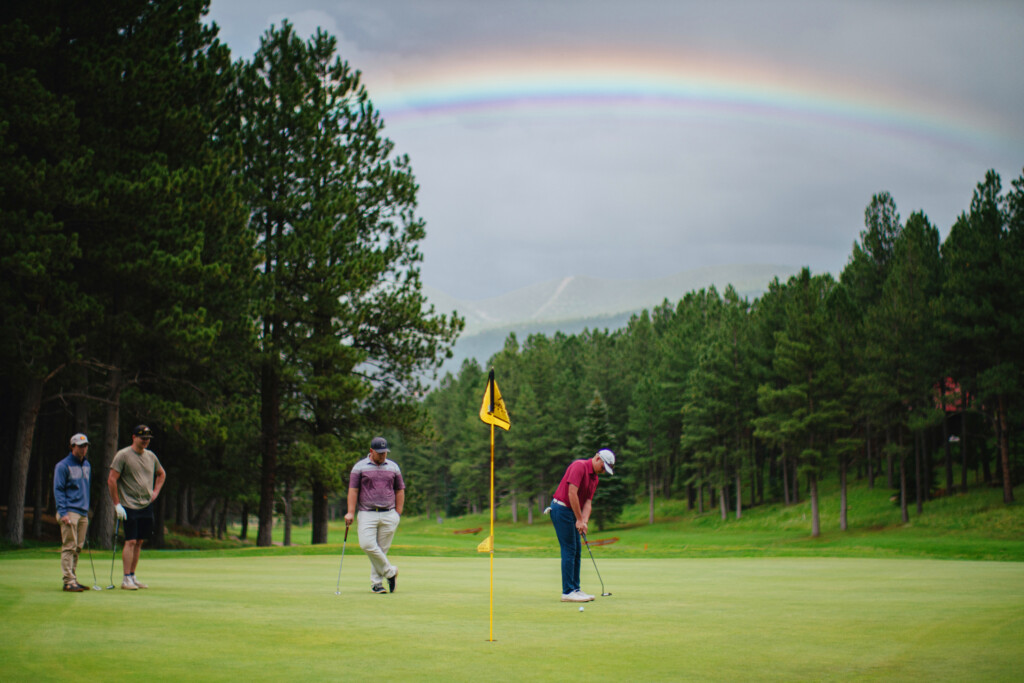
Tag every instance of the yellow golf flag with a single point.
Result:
(492, 410)
(486, 545)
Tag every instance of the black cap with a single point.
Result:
(142, 430)
(379, 444)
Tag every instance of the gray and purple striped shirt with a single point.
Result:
(377, 484)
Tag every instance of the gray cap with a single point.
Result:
(379, 444)
(608, 458)
(79, 440)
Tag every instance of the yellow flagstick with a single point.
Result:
(493, 412)
(491, 636)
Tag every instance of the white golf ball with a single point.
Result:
(581, 608)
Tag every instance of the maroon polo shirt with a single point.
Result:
(581, 474)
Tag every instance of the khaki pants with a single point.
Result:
(376, 530)
(72, 538)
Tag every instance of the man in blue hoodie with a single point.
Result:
(71, 493)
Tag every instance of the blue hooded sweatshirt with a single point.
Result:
(71, 486)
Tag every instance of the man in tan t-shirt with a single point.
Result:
(135, 480)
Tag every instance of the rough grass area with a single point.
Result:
(278, 618)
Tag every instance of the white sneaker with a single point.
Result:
(575, 596)
(587, 596)
(128, 585)
(138, 583)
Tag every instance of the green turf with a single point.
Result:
(277, 618)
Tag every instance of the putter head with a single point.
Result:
(605, 595)
(110, 587)
(96, 588)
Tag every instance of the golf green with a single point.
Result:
(744, 619)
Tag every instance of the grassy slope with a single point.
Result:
(976, 525)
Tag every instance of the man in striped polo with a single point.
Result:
(377, 489)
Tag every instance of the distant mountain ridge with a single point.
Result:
(581, 297)
(572, 304)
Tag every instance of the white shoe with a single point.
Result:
(128, 585)
(138, 583)
(575, 596)
(588, 596)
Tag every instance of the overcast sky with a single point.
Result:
(640, 138)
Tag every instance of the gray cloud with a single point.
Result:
(609, 192)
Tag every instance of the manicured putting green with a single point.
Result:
(277, 618)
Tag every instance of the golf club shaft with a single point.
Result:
(337, 588)
(95, 581)
(117, 527)
(585, 542)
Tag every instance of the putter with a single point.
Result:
(117, 527)
(604, 593)
(337, 589)
(95, 582)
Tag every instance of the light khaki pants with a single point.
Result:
(376, 530)
(72, 538)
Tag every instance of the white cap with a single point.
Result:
(79, 439)
(608, 458)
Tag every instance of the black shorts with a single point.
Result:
(139, 524)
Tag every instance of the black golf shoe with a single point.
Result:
(73, 588)
(378, 588)
(392, 581)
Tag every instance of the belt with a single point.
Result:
(558, 502)
(380, 509)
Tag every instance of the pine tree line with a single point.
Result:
(226, 251)
(907, 368)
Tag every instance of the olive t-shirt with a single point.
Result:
(137, 473)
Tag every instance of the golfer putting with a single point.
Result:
(377, 490)
(570, 514)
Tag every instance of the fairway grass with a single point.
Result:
(739, 619)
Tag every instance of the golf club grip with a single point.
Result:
(347, 527)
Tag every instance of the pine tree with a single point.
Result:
(612, 492)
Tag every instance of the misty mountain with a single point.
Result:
(572, 304)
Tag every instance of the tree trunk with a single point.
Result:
(1004, 449)
(904, 513)
(919, 472)
(222, 527)
(270, 418)
(104, 519)
(812, 482)
(983, 455)
(785, 481)
(319, 522)
(739, 494)
(842, 493)
(37, 499)
(723, 500)
(650, 495)
(870, 460)
(796, 482)
(515, 507)
(22, 457)
(287, 512)
(948, 449)
(159, 516)
(206, 512)
(888, 459)
(182, 505)
(963, 451)
(244, 533)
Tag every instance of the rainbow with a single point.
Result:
(663, 86)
